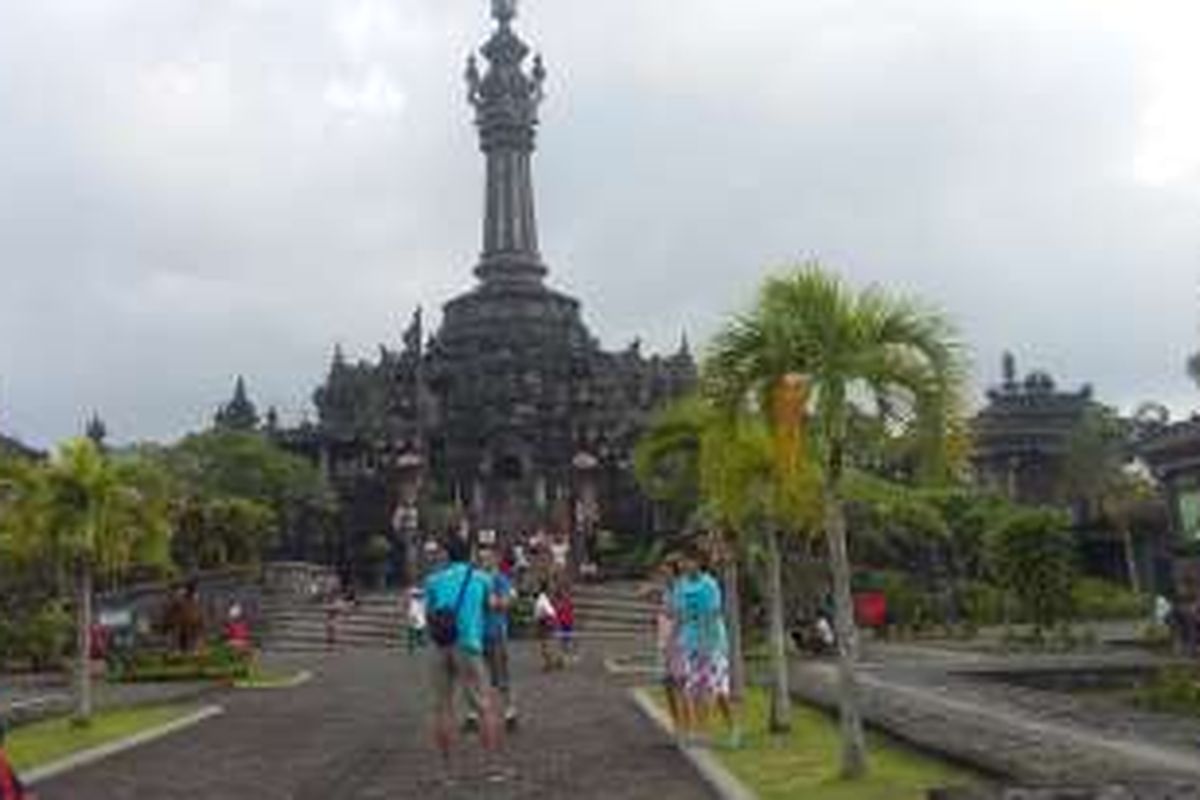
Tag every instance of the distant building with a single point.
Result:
(10, 447)
(510, 415)
(1022, 437)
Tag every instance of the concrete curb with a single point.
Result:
(723, 782)
(86, 757)
(299, 679)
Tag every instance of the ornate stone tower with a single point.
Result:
(510, 353)
(511, 411)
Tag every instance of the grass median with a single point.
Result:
(805, 763)
(41, 743)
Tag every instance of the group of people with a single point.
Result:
(694, 647)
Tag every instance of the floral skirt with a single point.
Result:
(707, 674)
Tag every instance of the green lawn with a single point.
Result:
(43, 742)
(805, 764)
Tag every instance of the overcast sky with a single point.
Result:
(192, 189)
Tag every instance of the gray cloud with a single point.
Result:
(197, 188)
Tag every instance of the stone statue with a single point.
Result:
(504, 10)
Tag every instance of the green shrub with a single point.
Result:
(1032, 554)
(41, 638)
(982, 604)
(1097, 599)
(218, 662)
(1174, 690)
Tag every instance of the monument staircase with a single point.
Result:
(290, 623)
(615, 613)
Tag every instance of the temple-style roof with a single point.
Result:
(12, 447)
(1172, 448)
(1028, 417)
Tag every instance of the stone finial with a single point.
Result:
(97, 431)
(1010, 370)
(504, 11)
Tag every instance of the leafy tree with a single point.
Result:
(215, 532)
(1099, 476)
(92, 516)
(851, 352)
(212, 468)
(1032, 554)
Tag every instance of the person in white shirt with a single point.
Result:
(417, 621)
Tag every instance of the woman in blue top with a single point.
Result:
(704, 645)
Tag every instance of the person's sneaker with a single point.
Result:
(511, 720)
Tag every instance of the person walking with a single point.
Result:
(546, 617)
(456, 597)
(495, 636)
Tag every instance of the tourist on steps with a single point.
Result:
(456, 597)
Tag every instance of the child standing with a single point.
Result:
(564, 605)
(417, 619)
(546, 616)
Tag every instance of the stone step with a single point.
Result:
(603, 615)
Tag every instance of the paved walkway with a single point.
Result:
(359, 731)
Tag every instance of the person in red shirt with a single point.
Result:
(564, 608)
(237, 632)
(11, 787)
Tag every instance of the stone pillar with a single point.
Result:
(406, 520)
(586, 511)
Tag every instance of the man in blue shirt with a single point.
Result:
(461, 589)
(495, 634)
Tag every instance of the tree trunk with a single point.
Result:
(83, 667)
(733, 612)
(781, 699)
(1131, 564)
(854, 750)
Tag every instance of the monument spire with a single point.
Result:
(506, 97)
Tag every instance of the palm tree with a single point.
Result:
(91, 516)
(850, 352)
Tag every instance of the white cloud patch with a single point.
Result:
(199, 188)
